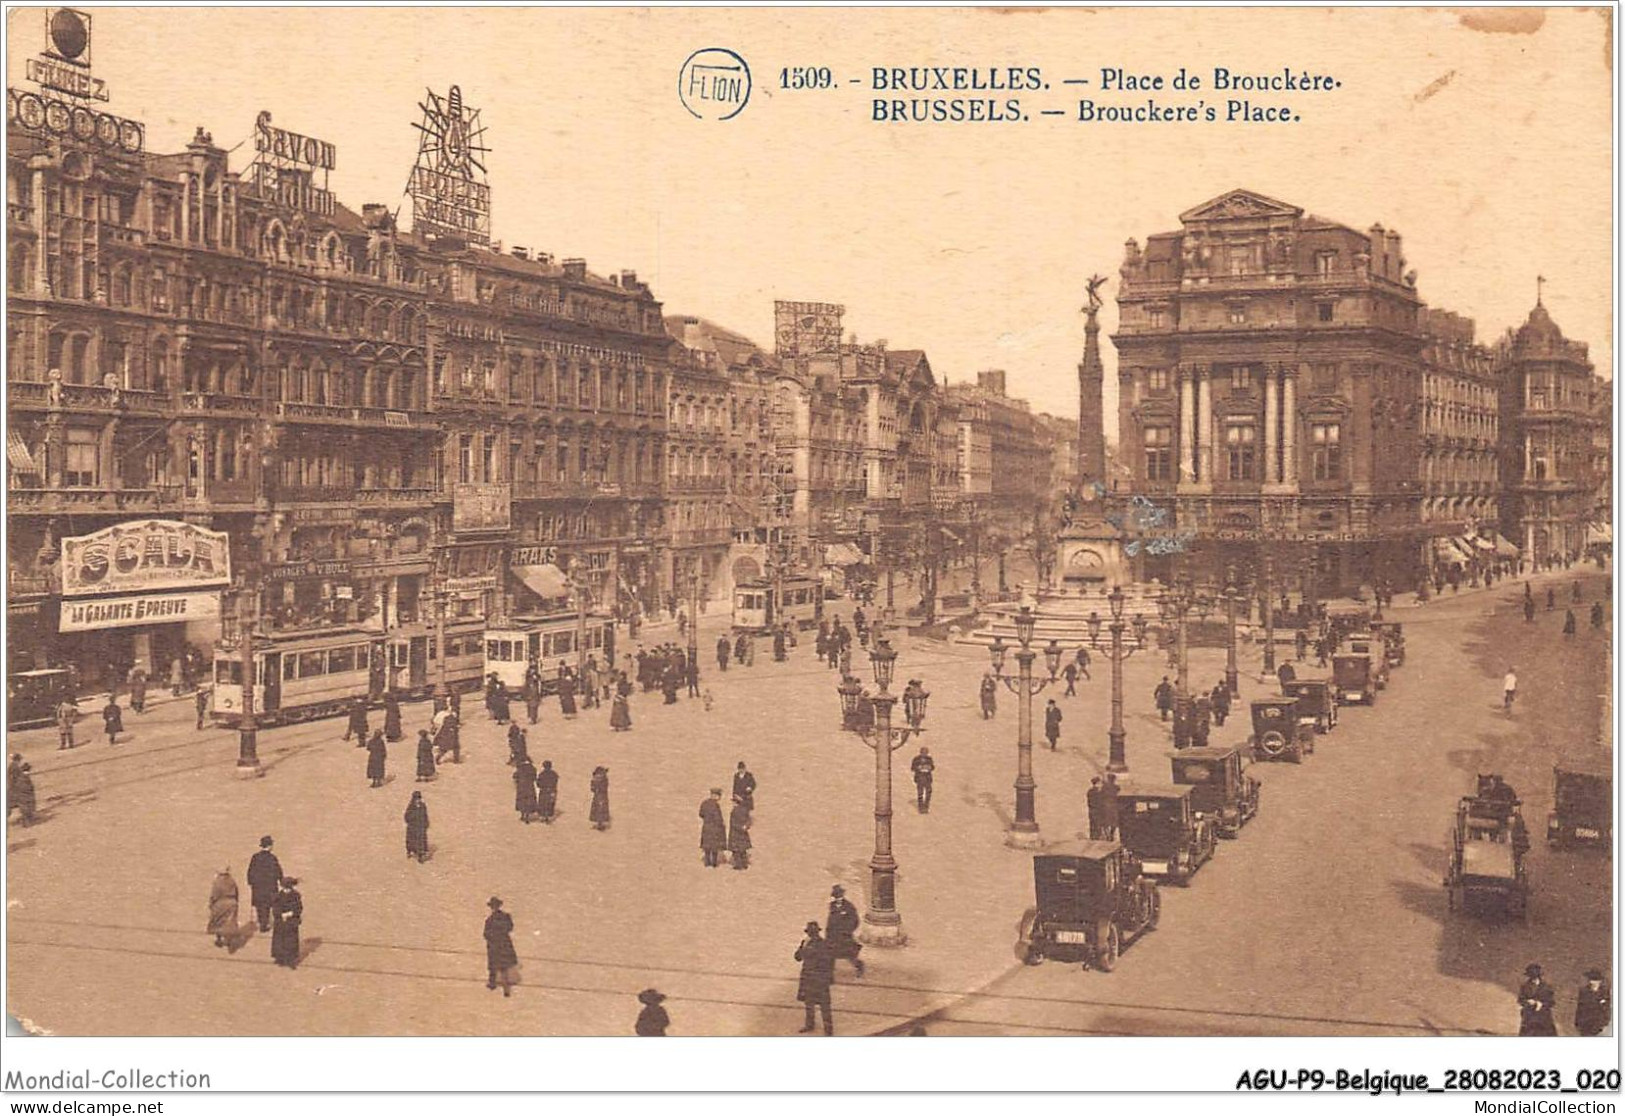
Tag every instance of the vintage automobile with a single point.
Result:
(1393, 640)
(32, 696)
(1315, 701)
(1582, 799)
(1353, 678)
(1487, 848)
(1160, 825)
(1279, 731)
(1219, 789)
(1092, 901)
(1375, 648)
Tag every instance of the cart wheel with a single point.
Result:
(1106, 956)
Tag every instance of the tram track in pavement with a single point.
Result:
(981, 1008)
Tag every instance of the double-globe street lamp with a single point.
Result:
(1024, 829)
(1118, 654)
(869, 717)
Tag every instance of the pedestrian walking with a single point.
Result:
(501, 704)
(692, 672)
(778, 645)
(264, 877)
(924, 768)
(533, 700)
(744, 787)
(1536, 1004)
(1052, 723)
(1163, 695)
(138, 690)
(392, 718)
(1596, 615)
(1094, 801)
(417, 827)
(620, 714)
(1220, 700)
(1528, 609)
(1568, 622)
(1300, 644)
(547, 791)
(1201, 721)
(567, 694)
(425, 757)
(1071, 675)
(817, 975)
(113, 719)
(1593, 1005)
(177, 677)
(842, 927)
(223, 908)
(739, 836)
(1576, 593)
(356, 725)
(377, 754)
(989, 695)
(518, 747)
(1551, 599)
(1509, 688)
(1108, 797)
(598, 813)
(20, 793)
(722, 653)
(524, 789)
(713, 829)
(287, 913)
(652, 1020)
(1082, 659)
(501, 960)
(1285, 674)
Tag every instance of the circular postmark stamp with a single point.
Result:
(714, 84)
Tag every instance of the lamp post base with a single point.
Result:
(1019, 837)
(886, 933)
(251, 770)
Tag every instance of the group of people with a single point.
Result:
(67, 716)
(1537, 1004)
(818, 952)
(667, 668)
(733, 833)
(833, 643)
(1101, 800)
(1203, 711)
(274, 895)
(1599, 614)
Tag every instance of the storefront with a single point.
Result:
(143, 594)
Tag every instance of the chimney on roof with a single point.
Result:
(629, 279)
(519, 252)
(991, 380)
(544, 258)
(575, 269)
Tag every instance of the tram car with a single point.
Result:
(800, 602)
(546, 640)
(305, 676)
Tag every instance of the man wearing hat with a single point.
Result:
(1535, 1002)
(1095, 800)
(501, 960)
(1593, 1006)
(652, 1020)
(713, 829)
(264, 876)
(745, 787)
(288, 911)
(842, 925)
(924, 768)
(817, 975)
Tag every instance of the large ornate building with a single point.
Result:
(1459, 462)
(1005, 452)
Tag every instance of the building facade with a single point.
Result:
(1459, 461)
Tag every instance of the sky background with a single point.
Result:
(1485, 139)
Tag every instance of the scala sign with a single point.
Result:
(143, 556)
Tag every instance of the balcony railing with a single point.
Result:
(697, 484)
(218, 401)
(316, 494)
(394, 497)
(70, 501)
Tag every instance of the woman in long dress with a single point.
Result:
(567, 695)
(377, 753)
(425, 756)
(417, 827)
(620, 714)
(392, 718)
(287, 912)
(599, 813)
(524, 789)
(223, 907)
(501, 960)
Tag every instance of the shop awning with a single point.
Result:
(1600, 532)
(545, 580)
(842, 554)
(1504, 548)
(1482, 543)
(951, 536)
(17, 453)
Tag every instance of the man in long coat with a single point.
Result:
(842, 928)
(817, 975)
(287, 912)
(1108, 799)
(989, 693)
(739, 836)
(377, 755)
(547, 791)
(1536, 1002)
(500, 957)
(924, 769)
(357, 723)
(392, 717)
(745, 787)
(1221, 703)
(713, 830)
(1593, 1006)
(425, 756)
(722, 653)
(417, 827)
(223, 907)
(1164, 697)
(264, 876)
(524, 789)
(1094, 800)
(1052, 724)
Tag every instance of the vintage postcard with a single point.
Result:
(772, 522)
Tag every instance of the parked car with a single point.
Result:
(1092, 901)
(1354, 678)
(1315, 699)
(1159, 824)
(1583, 805)
(1372, 645)
(1279, 732)
(1219, 788)
(1393, 639)
(33, 695)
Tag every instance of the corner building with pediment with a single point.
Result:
(1270, 397)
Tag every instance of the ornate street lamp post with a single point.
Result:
(578, 584)
(248, 758)
(869, 717)
(1231, 599)
(1119, 654)
(1024, 829)
(1175, 605)
(1269, 615)
(694, 618)
(442, 693)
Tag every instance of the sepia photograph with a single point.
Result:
(777, 523)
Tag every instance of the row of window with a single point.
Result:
(1240, 452)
